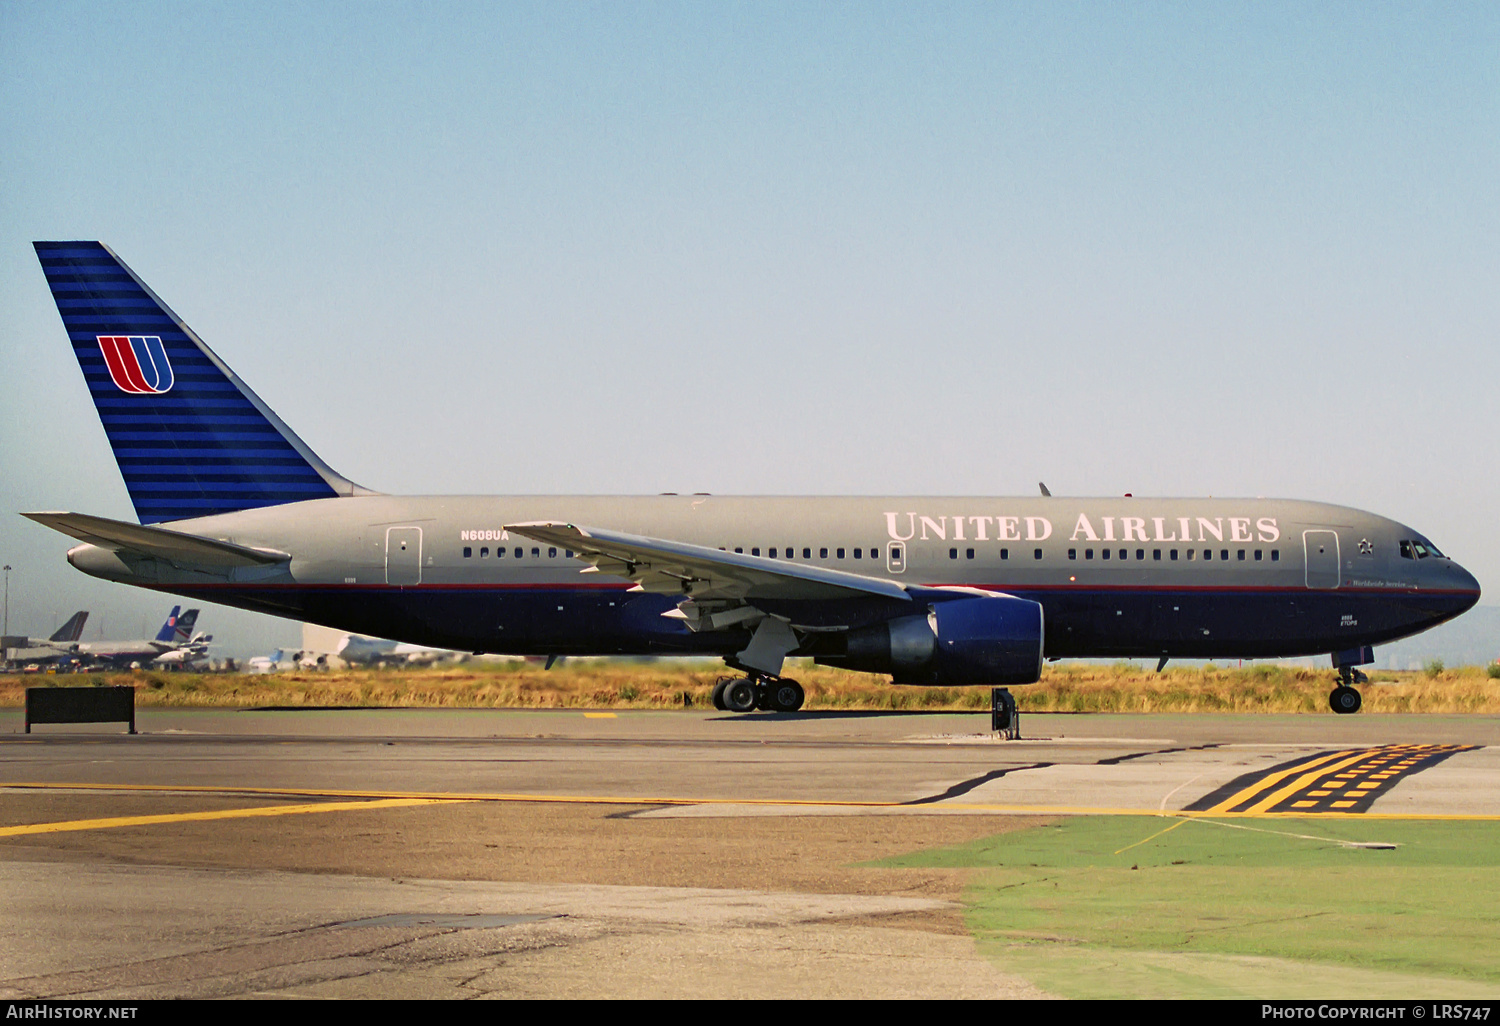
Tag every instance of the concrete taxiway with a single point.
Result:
(563, 853)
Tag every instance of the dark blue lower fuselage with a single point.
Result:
(609, 619)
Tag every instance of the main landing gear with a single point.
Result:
(760, 691)
(1344, 699)
(1005, 721)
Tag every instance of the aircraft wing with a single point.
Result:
(160, 542)
(701, 573)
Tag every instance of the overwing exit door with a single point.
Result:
(895, 557)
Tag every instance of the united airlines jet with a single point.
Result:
(235, 508)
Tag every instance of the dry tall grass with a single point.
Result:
(601, 684)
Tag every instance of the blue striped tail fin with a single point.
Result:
(191, 439)
(168, 630)
(178, 629)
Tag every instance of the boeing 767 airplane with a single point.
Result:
(940, 590)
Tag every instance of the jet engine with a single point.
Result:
(992, 640)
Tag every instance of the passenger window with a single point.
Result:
(857, 553)
(822, 553)
(568, 553)
(952, 553)
(1257, 555)
(536, 553)
(1088, 553)
(970, 554)
(1174, 554)
(755, 551)
(807, 553)
(1190, 554)
(1156, 554)
(771, 553)
(1104, 554)
(468, 552)
(484, 551)
(1241, 556)
(1275, 555)
(1223, 553)
(841, 553)
(1036, 554)
(1207, 554)
(1140, 554)
(1005, 553)
(1124, 554)
(551, 553)
(1072, 553)
(518, 552)
(739, 550)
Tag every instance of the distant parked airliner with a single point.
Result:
(235, 508)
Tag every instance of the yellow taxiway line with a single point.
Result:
(115, 822)
(389, 799)
(447, 796)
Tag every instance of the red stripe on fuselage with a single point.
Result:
(1080, 588)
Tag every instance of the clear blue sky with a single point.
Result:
(1174, 249)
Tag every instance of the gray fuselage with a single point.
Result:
(1216, 578)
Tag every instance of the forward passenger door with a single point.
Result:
(1322, 551)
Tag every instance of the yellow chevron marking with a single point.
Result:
(1318, 767)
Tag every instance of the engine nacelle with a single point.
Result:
(992, 640)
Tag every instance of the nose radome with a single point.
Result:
(1465, 581)
(1452, 579)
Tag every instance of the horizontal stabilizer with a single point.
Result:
(156, 541)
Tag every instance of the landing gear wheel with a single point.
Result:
(1344, 700)
(787, 696)
(719, 686)
(740, 695)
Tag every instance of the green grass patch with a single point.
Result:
(1109, 907)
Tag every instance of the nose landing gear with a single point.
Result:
(760, 691)
(1344, 698)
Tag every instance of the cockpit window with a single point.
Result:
(1415, 549)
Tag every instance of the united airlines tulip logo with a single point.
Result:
(137, 363)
